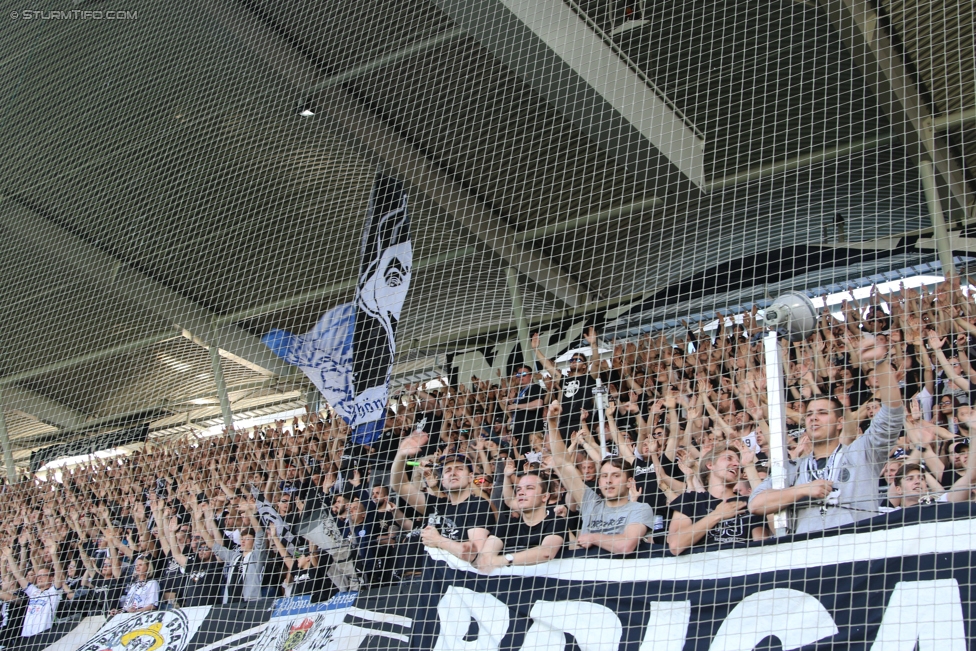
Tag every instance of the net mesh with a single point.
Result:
(498, 324)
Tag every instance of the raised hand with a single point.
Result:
(509, 468)
(590, 336)
(935, 342)
(555, 410)
(411, 445)
(803, 447)
(871, 349)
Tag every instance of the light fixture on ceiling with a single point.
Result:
(307, 108)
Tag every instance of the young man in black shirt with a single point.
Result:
(458, 523)
(535, 536)
(174, 540)
(717, 515)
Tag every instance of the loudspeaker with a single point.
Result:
(792, 315)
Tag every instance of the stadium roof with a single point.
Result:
(161, 192)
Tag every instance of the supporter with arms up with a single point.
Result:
(535, 536)
(44, 593)
(244, 569)
(202, 573)
(458, 523)
(837, 484)
(525, 407)
(611, 523)
(717, 515)
(577, 387)
(305, 575)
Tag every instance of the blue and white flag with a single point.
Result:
(349, 353)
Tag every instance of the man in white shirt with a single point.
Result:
(44, 594)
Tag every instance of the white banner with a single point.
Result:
(156, 630)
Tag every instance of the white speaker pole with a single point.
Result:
(793, 316)
(776, 398)
(600, 398)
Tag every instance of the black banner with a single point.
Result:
(871, 588)
(900, 582)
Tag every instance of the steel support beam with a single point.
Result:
(865, 34)
(585, 221)
(813, 158)
(379, 63)
(523, 328)
(585, 76)
(939, 234)
(951, 121)
(8, 455)
(109, 273)
(42, 408)
(218, 373)
(489, 329)
(93, 356)
(378, 141)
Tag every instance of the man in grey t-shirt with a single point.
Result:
(612, 522)
(838, 484)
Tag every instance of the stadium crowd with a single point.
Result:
(510, 470)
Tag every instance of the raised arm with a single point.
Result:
(15, 568)
(594, 353)
(565, 466)
(404, 487)
(624, 447)
(52, 547)
(158, 515)
(281, 549)
(508, 489)
(170, 535)
(936, 344)
(962, 489)
(545, 361)
(712, 412)
(210, 534)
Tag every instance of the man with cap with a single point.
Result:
(457, 523)
(958, 460)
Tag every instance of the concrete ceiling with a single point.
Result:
(159, 192)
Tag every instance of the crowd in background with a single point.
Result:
(506, 471)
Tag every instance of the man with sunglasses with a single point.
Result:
(457, 523)
(577, 386)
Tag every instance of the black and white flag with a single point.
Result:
(349, 353)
